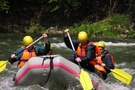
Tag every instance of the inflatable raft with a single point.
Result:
(53, 72)
(48, 70)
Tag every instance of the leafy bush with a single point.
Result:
(113, 26)
(110, 27)
(99, 28)
(131, 34)
(35, 28)
(120, 22)
(96, 29)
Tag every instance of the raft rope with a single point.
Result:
(51, 66)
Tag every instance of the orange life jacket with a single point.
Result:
(81, 50)
(26, 56)
(99, 61)
(97, 52)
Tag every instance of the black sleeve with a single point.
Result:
(105, 52)
(109, 64)
(47, 47)
(42, 50)
(19, 53)
(68, 44)
(12, 60)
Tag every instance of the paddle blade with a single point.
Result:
(3, 65)
(85, 80)
(121, 75)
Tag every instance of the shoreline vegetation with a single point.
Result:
(109, 18)
(118, 26)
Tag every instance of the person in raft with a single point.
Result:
(23, 54)
(88, 52)
(85, 51)
(104, 61)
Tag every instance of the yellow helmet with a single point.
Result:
(27, 40)
(82, 36)
(101, 44)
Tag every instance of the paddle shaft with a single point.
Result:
(30, 45)
(73, 48)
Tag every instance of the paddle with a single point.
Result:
(30, 44)
(4, 63)
(85, 79)
(120, 75)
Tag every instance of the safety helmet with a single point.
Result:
(101, 44)
(27, 40)
(82, 36)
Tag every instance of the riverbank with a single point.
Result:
(118, 26)
(115, 26)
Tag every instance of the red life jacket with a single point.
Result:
(26, 56)
(99, 60)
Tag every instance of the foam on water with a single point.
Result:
(7, 76)
(119, 44)
(8, 73)
(59, 45)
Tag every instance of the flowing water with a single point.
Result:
(123, 51)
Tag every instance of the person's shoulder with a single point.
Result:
(35, 47)
(91, 43)
(106, 51)
(19, 49)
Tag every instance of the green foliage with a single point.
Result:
(113, 26)
(110, 27)
(55, 8)
(4, 5)
(76, 28)
(131, 34)
(121, 19)
(96, 29)
(120, 22)
(50, 1)
(35, 28)
(77, 15)
(100, 27)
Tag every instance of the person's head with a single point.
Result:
(101, 45)
(27, 40)
(83, 37)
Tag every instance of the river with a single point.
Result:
(123, 51)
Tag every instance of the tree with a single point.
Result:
(4, 5)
